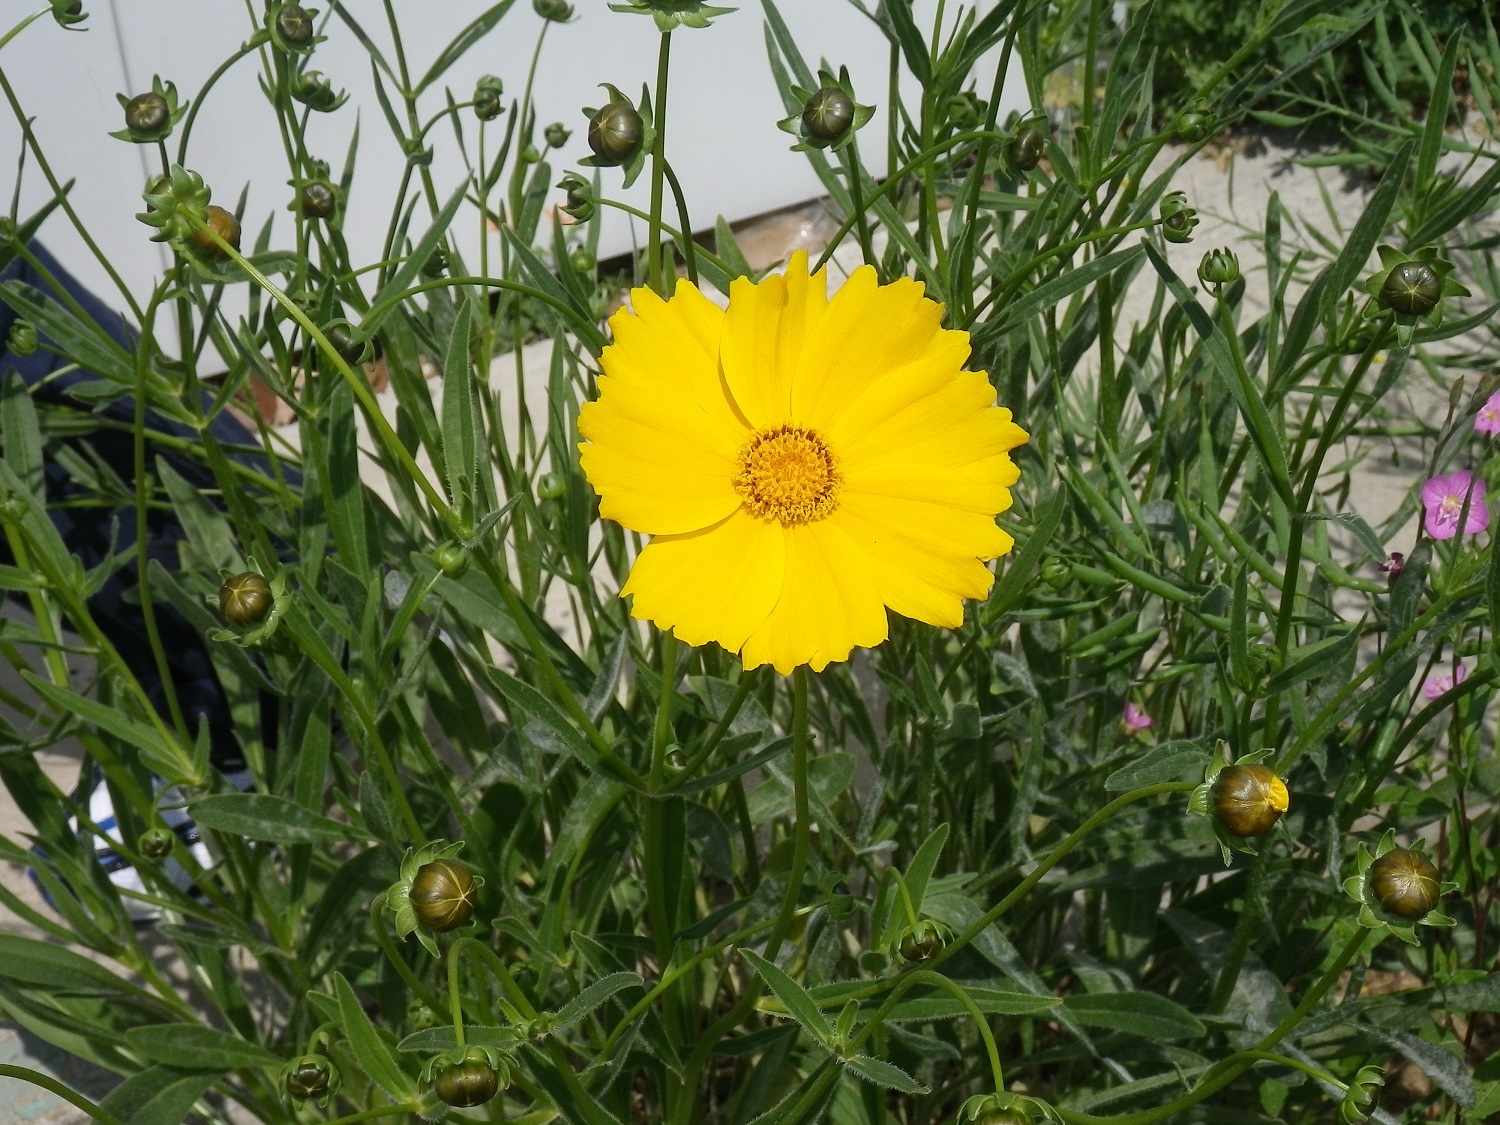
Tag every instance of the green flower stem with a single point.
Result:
(747, 1001)
(455, 1001)
(313, 647)
(655, 270)
(892, 179)
(670, 232)
(378, 424)
(653, 828)
(1229, 972)
(937, 980)
(393, 955)
(721, 728)
(508, 983)
(24, 24)
(1230, 1069)
(53, 1086)
(850, 158)
(1292, 572)
(586, 328)
(961, 248)
(249, 46)
(142, 512)
(689, 247)
(62, 198)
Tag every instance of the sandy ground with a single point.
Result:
(1231, 196)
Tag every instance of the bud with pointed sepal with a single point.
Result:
(150, 117)
(1398, 889)
(293, 28)
(1244, 799)
(21, 341)
(558, 11)
(556, 135)
(466, 1077)
(316, 91)
(1026, 144)
(1411, 289)
(434, 894)
(1217, 269)
(1177, 218)
(251, 603)
(489, 98)
(620, 133)
(670, 14)
(830, 115)
(579, 204)
(310, 1078)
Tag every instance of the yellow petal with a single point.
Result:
(867, 330)
(953, 424)
(829, 603)
(663, 437)
(718, 584)
(764, 332)
(918, 554)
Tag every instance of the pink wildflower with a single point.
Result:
(1441, 685)
(1488, 419)
(1444, 498)
(1135, 718)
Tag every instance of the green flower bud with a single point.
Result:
(828, 114)
(1218, 268)
(467, 1084)
(294, 25)
(1057, 573)
(223, 224)
(309, 1076)
(1405, 883)
(68, 12)
(316, 92)
(489, 98)
(1248, 800)
(1177, 218)
(13, 507)
(318, 199)
(582, 261)
(558, 11)
(155, 843)
(992, 1109)
(921, 941)
(615, 133)
(1363, 1095)
(1193, 124)
(436, 264)
(442, 896)
(550, 486)
(147, 115)
(530, 154)
(452, 559)
(245, 599)
(579, 204)
(1412, 289)
(22, 340)
(341, 337)
(556, 134)
(840, 902)
(1024, 147)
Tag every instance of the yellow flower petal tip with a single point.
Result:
(802, 463)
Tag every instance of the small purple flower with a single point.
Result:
(1441, 685)
(1135, 719)
(1444, 497)
(1488, 419)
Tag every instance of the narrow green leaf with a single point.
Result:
(196, 1047)
(481, 26)
(1367, 232)
(370, 1051)
(1013, 582)
(1138, 1013)
(592, 997)
(21, 435)
(1239, 626)
(166, 760)
(882, 1074)
(798, 1003)
(158, 1095)
(262, 816)
(386, 300)
(1437, 113)
(460, 453)
(1166, 762)
(919, 874)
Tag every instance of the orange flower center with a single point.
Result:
(788, 474)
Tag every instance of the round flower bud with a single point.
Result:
(828, 114)
(616, 133)
(452, 559)
(558, 11)
(1002, 1117)
(1412, 289)
(317, 199)
(147, 113)
(342, 339)
(1177, 218)
(1219, 268)
(550, 486)
(921, 941)
(1024, 148)
(308, 1077)
(530, 154)
(556, 134)
(22, 339)
(442, 894)
(223, 224)
(245, 599)
(1405, 883)
(582, 261)
(840, 901)
(489, 94)
(314, 90)
(1057, 573)
(13, 506)
(467, 1084)
(294, 25)
(1248, 800)
(1192, 125)
(436, 264)
(155, 843)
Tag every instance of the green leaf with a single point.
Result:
(442, 1039)
(1315, 659)
(207, 530)
(798, 1003)
(343, 490)
(86, 344)
(387, 299)
(1166, 762)
(1367, 232)
(882, 1074)
(35, 962)
(164, 759)
(1013, 582)
(1437, 113)
(370, 1051)
(1053, 292)
(196, 1047)
(158, 1095)
(1239, 628)
(481, 26)
(923, 864)
(460, 452)
(21, 435)
(592, 997)
(263, 816)
(1139, 1013)
(913, 46)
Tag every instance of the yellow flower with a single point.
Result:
(800, 462)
